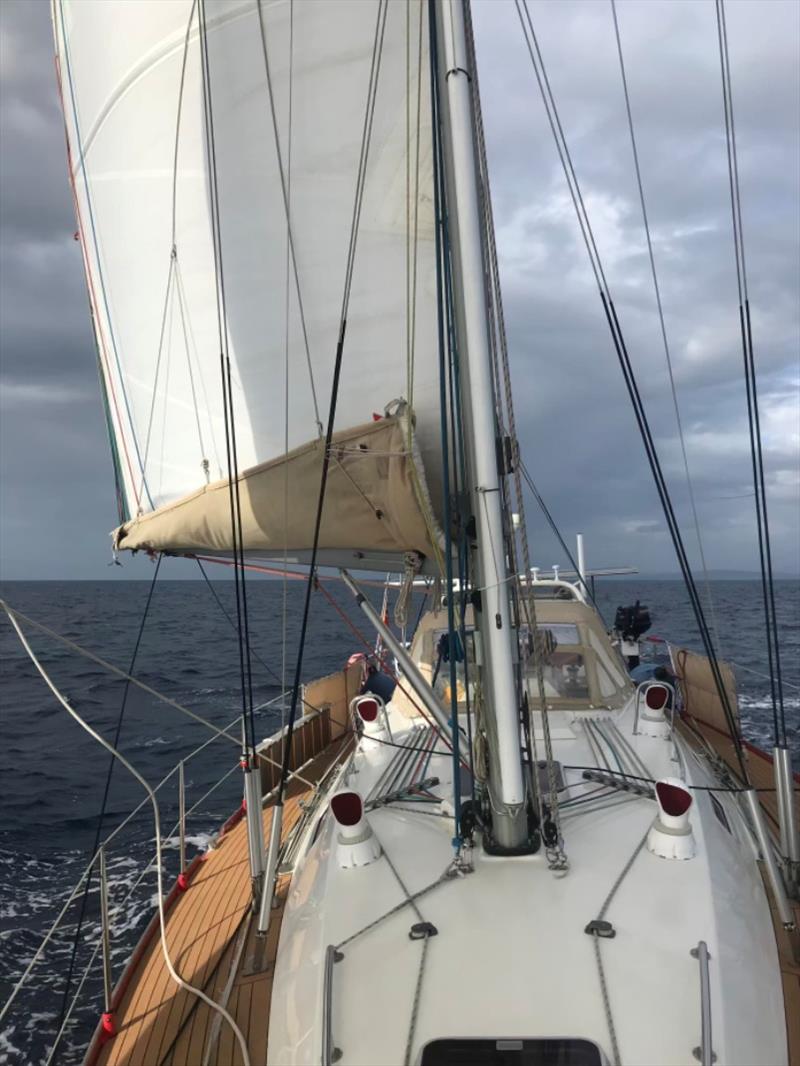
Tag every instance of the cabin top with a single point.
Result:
(582, 670)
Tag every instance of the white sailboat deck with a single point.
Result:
(517, 921)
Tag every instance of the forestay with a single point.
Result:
(288, 89)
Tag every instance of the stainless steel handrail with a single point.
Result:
(105, 932)
(704, 1053)
(330, 1053)
(182, 816)
(90, 865)
(123, 901)
(125, 762)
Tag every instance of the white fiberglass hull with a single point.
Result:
(511, 958)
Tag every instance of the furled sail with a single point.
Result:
(279, 113)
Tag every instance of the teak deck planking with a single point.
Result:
(160, 1024)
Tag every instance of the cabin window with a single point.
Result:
(605, 680)
(560, 632)
(565, 675)
(564, 666)
(611, 675)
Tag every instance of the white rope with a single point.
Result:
(157, 825)
(134, 886)
(13, 613)
(104, 844)
(163, 782)
(223, 733)
(412, 562)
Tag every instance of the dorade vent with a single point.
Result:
(670, 835)
(368, 709)
(357, 845)
(656, 698)
(655, 703)
(347, 808)
(673, 799)
(372, 722)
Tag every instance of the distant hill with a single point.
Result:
(714, 575)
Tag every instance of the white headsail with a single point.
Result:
(288, 87)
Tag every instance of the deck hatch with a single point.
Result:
(508, 1051)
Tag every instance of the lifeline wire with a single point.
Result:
(627, 370)
(157, 825)
(13, 614)
(101, 816)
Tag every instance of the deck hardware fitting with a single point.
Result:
(785, 911)
(787, 817)
(704, 1053)
(105, 919)
(271, 865)
(422, 930)
(598, 927)
(603, 777)
(330, 1053)
(411, 672)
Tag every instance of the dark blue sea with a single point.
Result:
(53, 774)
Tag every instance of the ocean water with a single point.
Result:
(52, 774)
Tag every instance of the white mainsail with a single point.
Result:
(287, 131)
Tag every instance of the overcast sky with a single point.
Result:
(577, 430)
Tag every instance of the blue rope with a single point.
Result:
(438, 192)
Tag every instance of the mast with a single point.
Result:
(506, 782)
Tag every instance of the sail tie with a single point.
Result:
(412, 563)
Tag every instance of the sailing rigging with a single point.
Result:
(287, 232)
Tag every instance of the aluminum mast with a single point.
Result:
(506, 782)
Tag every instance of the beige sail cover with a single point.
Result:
(376, 501)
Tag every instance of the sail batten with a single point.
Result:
(133, 97)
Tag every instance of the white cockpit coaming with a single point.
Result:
(510, 957)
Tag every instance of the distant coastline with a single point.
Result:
(713, 575)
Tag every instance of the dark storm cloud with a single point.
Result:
(56, 501)
(577, 430)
